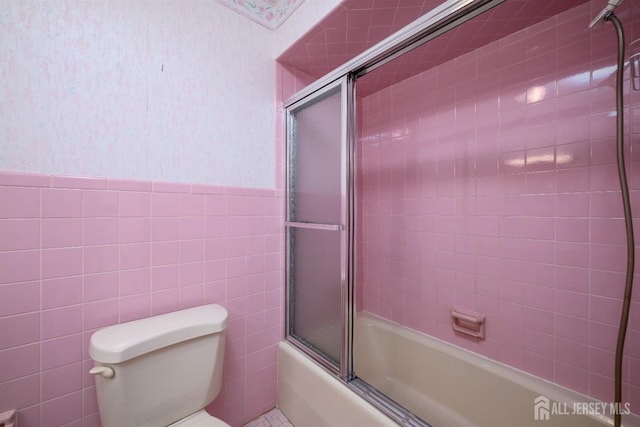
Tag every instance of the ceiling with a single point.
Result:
(357, 25)
(269, 13)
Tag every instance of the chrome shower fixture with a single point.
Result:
(602, 16)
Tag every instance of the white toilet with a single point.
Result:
(160, 371)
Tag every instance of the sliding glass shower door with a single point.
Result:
(316, 225)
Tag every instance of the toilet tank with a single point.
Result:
(165, 367)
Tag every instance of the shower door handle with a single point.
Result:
(314, 226)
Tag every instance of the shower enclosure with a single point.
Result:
(466, 163)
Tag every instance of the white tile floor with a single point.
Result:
(273, 418)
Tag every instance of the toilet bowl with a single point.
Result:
(162, 370)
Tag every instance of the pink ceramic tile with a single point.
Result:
(603, 151)
(539, 365)
(608, 231)
(542, 251)
(60, 233)
(19, 202)
(164, 277)
(572, 352)
(190, 228)
(214, 292)
(61, 262)
(100, 231)
(191, 296)
(606, 204)
(235, 205)
(99, 203)
(601, 283)
(255, 206)
(206, 189)
(572, 180)
(21, 393)
(540, 205)
(540, 274)
(19, 330)
(236, 191)
(19, 361)
(601, 125)
(63, 410)
(61, 203)
(128, 185)
(572, 278)
(236, 226)
(135, 255)
(255, 264)
(601, 362)
(97, 259)
(214, 205)
(602, 336)
(191, 205)
(90, 406)
(100, 314)
(133, 203)
(100, 286)
(19, 234)
(163, 229)
(58, 292)
(163, 253)
(255, 225)
(135, 230)
(164, 204)
(214, 249)
(135, 281)
(604, 178)
(572, 254)
(236, 267)
(164, 301)
(605, 310)
(78, 182)
(572, 304)
(571, 328)
(235, 246)
(135, 307)
(61, 381)
(191, 273)
(191, 250)
(608, 257)
(539, 320)
(572, 229)
(31, 416)
(19, 298)
(215, 227)
(170, 187)
(20, 179)
(539, 297)
(61, 322)
(20, 266)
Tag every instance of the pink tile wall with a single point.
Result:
(78, 254)
(495, 190)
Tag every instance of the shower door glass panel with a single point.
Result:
(315, 223)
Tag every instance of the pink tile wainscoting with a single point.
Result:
(78, 254)
(489, 183)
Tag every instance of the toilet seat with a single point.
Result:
(199, 419)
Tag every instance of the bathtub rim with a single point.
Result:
(551, 390)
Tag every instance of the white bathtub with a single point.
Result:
(441, 383)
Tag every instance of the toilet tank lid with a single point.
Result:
(119, 343)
